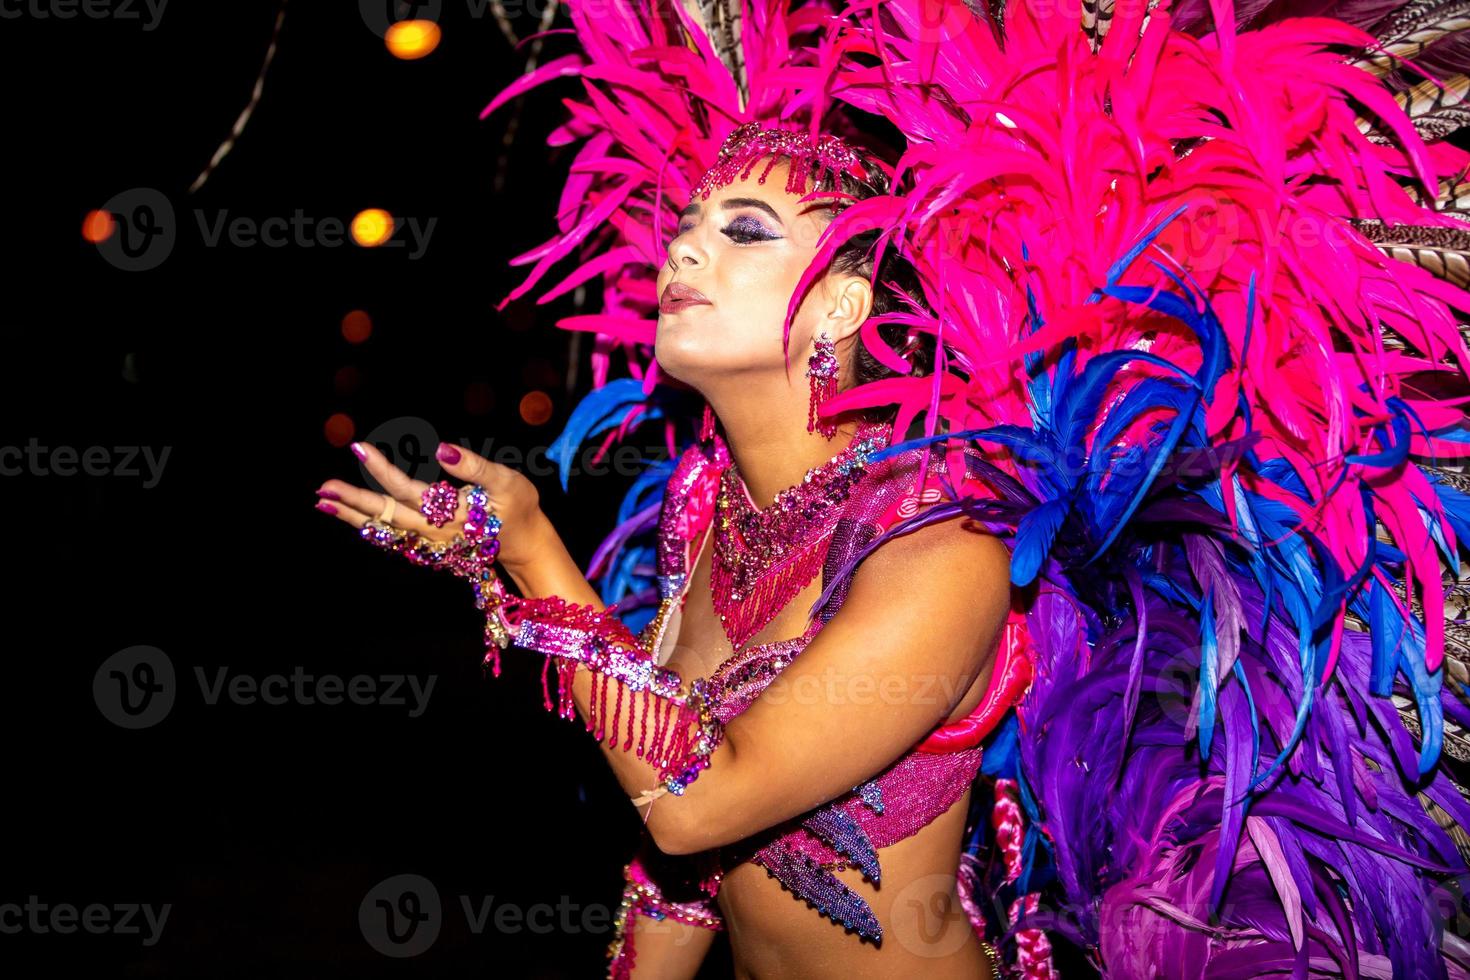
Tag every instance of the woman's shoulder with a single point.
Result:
(945, 583)
(911, 538)
(952, 550)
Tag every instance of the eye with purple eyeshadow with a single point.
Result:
(742, 231)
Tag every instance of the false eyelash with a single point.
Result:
(737, 231)
(742, 237)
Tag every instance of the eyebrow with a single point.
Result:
(730, 203)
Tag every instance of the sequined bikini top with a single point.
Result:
(892, 805)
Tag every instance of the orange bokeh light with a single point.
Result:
(357, 326)
(98, 226)
(536, 407)
(412, 39)
(372, 227)
(339, 429)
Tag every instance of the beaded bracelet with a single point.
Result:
(685, 731)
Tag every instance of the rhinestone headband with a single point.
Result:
(749, 143)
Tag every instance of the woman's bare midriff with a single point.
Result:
(926, 932)
(776, 934)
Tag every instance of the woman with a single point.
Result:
(1184, 315)
(739, 255)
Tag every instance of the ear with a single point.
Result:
(850, 301)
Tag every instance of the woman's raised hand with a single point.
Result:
(513, 498)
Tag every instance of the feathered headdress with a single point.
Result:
(1195, 276)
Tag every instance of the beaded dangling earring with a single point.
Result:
(707, 424)
(821, 369)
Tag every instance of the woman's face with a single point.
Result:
(745, 249)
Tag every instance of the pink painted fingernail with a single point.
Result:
(447, 453)
(328, 494)
(359, 452)
(325, 507)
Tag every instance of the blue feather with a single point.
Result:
(597, 412)
(1454, 432)
(1396, 449)
(1119, 267)
(1034, 537)
(1209, 667)
(1455, 504)
(1239, 671)
(1001, 756)
(1426, 688)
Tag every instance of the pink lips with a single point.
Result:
(676, 296)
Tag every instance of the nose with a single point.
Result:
(685, 250)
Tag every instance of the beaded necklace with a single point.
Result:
(764, 557)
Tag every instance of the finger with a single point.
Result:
(405, 489)
(343, 512)
(371, 503)
(470, 467)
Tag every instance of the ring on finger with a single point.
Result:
(482, 526)
(440, 502)
(389, 506)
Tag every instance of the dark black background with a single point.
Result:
(265, 826)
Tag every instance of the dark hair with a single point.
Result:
(855, 257)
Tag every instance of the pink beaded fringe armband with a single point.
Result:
(684, 731)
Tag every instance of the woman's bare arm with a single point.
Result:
(916, 630)
(551, 571)
(668, 950)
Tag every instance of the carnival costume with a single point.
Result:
(1214, 443)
